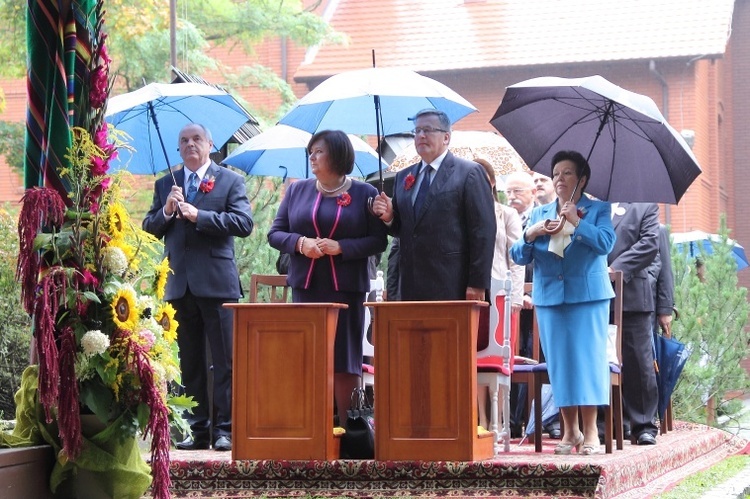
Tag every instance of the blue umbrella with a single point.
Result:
(374, 101)
(550, 411)
(671, 356)
(697, 242)
(281, 151)
(160, 110)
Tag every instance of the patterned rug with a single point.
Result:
(634, 472)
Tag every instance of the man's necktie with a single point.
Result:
(424, 188)
(192, 187)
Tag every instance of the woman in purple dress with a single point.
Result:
(325, 225)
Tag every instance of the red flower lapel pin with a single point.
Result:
(207, 184)
(344, 199)
(409, 181)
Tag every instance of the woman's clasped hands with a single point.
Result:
(317, 247)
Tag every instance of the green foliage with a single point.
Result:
(13, 48)
(713, 313)
(11, 144)
(15, 325)
(696, 486)
(253, 253)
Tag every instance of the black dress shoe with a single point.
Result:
(646, 439)
(554, 432)
(223, 443)
(190, 444)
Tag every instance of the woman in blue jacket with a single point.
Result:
(571, 296)
(325, 226)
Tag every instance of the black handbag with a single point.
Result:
(359, 440)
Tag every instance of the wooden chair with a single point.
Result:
(612, 412)
(368, 349)
(495, 362)
(276, 285)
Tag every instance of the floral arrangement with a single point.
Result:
(207, 184)
(94, 282)
(409, 182)
(344, 199)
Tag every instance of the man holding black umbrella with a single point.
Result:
(199, 211)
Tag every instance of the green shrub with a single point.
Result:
(15, 324)
(713, 314)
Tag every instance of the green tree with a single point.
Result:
(15, 325)
(11, 144)
(713, 314)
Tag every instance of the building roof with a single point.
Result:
(445, 35)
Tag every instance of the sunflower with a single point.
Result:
(118, 220)
(162, 270)
(165, 317)
(124, 309)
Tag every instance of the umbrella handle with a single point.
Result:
(549, 229)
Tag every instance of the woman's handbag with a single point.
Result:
(359, 440)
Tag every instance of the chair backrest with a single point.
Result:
(378, 286)
(502, 338)
(616, 279)
(275, 284)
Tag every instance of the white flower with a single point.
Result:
(115, 260)
(94, 343)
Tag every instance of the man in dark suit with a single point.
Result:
(637, 229)
(662, 284)
(443, 213)
(199, 225)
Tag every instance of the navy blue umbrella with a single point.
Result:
(671, 356)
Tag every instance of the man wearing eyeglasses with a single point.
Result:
(442, 211)
(521, 193)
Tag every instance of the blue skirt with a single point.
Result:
(574, 340)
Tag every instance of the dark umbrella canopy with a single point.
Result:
(635, 155)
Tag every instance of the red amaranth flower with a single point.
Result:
(68, 411)
(158, 421)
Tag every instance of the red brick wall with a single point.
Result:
(11, 181)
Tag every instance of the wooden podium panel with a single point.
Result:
(282, 381)
(425, 382)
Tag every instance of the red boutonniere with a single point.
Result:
(409, 181)
(344, 199)
(581, 213)
(207, 184)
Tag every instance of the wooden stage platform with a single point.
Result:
(634, 472)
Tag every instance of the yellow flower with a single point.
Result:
(126, 249)
(162, 270)
(124, 309)
(118, 220)
(165, 317)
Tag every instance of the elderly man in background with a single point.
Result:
(521, 192)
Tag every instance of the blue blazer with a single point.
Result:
(582, 275)
(201, 255)
(359, 233)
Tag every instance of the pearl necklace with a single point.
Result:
(330, 191)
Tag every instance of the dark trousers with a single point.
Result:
(639, 389)
(203, 321)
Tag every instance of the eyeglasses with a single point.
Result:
(427, 129)
(516, 192)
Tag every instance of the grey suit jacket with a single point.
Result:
(637, 230)
(449, 246)
(201, 255)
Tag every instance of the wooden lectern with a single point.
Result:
(426, 382)
(282, 381)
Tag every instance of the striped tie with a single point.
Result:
(424, 189)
